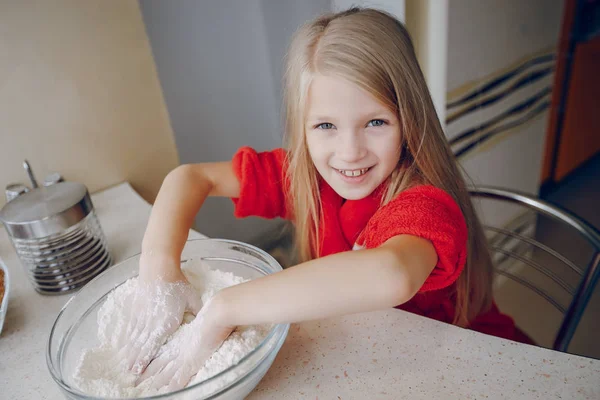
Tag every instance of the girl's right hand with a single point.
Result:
(180, 359)
(155, 311)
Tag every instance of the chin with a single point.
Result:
(353, 194)
(355, 197)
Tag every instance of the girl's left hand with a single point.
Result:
(181, 358)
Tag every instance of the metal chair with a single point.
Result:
(512, 243)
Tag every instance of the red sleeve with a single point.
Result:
(262, 187)
(430, 213)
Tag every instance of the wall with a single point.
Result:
(220, 66)
(79, 95)
(510, 42)
(427, 22)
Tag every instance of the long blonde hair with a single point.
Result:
(374, 51)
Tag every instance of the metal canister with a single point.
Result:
(57, 236)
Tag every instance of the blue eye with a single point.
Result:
(325, 125)
(376, 122)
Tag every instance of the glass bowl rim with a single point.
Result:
(279, 330)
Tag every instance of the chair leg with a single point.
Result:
(577, 307)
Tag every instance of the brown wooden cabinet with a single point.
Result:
(573, 135)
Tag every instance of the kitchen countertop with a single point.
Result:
(380, 355)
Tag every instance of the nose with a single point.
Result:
(351, 147)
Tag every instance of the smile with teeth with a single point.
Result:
(353, 172)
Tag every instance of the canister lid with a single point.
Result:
(46, 211)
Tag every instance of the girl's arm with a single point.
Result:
(339, 284)
(180, 197)
(162, 293)
(343, 283)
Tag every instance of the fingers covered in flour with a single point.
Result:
(161, 370)
(155, 311)
(187, 352)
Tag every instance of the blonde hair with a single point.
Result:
(374, 51)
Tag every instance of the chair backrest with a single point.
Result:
(521, 240)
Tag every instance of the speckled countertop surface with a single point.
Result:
(397, 355)
(382, 355)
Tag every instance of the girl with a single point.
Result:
(367, 167)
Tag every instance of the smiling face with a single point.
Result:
(353, 139)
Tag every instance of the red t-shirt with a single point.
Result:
(424, 211)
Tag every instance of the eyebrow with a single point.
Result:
(370, 116)
(318, 118)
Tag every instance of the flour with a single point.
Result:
(98, 372)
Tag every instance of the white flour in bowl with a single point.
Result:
(95, 373)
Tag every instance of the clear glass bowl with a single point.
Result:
(75, 328)
(4, 302)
